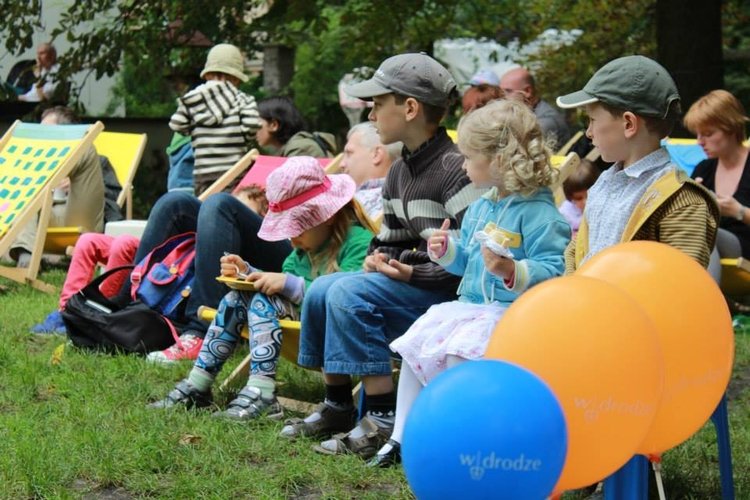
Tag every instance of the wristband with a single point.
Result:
(741, 213)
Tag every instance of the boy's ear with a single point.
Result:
(273, 125)
(631, 124)
(412, 108)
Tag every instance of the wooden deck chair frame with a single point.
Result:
(230, 175)
(40, 203)
(335, 166)
(565, 166)
(110, 144)
(566, 147)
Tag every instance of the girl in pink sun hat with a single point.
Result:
(329, 232)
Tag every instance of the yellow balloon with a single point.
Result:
(693, 325)
(597, 350)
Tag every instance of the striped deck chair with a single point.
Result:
(124, 151)
(33, 160)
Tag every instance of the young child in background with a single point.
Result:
(329, 232)
(220, 119)
(505, 151)
(576, 189)
(633, 103)
(90, 250)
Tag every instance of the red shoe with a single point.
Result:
(187, 347)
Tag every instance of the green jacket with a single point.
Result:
(350, 258)
(309, 144)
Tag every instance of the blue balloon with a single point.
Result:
(485, 429)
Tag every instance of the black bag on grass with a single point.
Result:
(96, 322)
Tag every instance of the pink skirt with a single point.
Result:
(451, 328)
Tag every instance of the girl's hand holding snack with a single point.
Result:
(268, 283)
(499, 266)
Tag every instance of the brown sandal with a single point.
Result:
(366, 445)
(330, 422)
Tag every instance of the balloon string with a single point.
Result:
(656, 464)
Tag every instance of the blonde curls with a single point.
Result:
(508, 134)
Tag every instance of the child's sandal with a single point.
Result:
(365, 446)
(330, 421)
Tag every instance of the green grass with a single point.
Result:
(80, 429)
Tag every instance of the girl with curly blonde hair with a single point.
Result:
(510, 239)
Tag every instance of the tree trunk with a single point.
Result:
(688, 34)
(278, 68)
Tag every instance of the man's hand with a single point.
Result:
(499, 266)
(268, 283)
(372, 261)
(396, 270)
(437, 244)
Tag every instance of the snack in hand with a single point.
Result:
(496, 234)
(495, 239)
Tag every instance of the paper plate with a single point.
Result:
(236, 283)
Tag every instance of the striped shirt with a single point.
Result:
(421, 190)
(221, 122)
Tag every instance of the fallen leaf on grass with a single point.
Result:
(189, 439)
(57, 355)
(45, 393)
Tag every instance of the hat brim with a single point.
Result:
(576, 100)
(367, 90)
(243, 77)
(291, 223)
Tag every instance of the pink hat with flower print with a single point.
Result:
(301, 196)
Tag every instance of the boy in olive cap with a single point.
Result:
(220, 119)
(633, 103)
(348, 319)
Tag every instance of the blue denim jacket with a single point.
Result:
(538, 236)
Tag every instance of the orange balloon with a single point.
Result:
(597, 350)
(694, 327)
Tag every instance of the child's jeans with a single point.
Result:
(348, 320)
(92, 249)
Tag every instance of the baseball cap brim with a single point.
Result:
(367, 90)
(576, 100)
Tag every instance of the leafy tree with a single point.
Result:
(146, 41)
